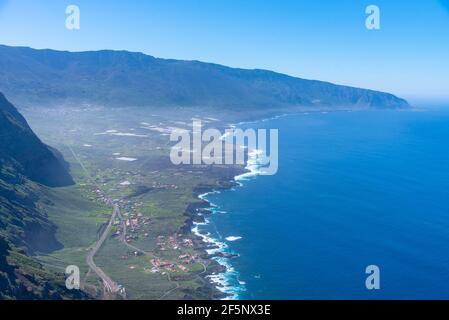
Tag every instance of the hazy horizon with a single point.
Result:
(325, 41)
(414, 100)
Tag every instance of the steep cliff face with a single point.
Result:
(22, 151)
(27, 167)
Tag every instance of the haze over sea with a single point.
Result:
(353, 189)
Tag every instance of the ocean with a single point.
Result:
(353, 189)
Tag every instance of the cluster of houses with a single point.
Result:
(159, 264)
(162, 266)
(135, 224)
(100, 196)
(174, 242)
(187, 258)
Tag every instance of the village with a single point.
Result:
(133, 225)
(147, 250)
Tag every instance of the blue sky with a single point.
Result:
(325, 40)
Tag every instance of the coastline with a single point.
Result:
(226, 280)
(223, 276)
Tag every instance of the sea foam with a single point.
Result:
(252, 165)
(233, 238)
(227, 282)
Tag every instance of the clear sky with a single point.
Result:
(324, 40)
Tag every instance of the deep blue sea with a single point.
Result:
(353, 189)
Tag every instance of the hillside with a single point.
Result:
(22, 150)
(124, 78)
(24, 278)
(27, 167)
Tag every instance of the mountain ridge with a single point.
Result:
(125, 78)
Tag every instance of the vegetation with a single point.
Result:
(24, 226)
(123, 78)
(22, 277)
(48, 222)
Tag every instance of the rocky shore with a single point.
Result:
(196, 213)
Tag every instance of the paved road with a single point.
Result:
(110, 285)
